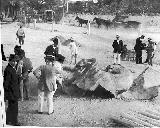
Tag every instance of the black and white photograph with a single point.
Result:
(80, 63)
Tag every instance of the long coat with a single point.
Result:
(139, 45)
(117, 46)
(11, 84)
(46, 75)
(51, 50)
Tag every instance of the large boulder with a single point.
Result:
(86, 76)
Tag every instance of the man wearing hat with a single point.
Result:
(46, 74)
(150, 50)
(11, 90)
(53, 48)
(20, 35)
(117, 46)
(24, 67)
(139, 46)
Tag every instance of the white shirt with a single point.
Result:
(73, 48)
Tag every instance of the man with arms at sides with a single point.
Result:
(117, 46)
(11, 90)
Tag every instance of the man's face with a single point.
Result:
(13, 63)
(48, 62)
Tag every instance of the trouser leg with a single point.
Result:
(115, 57)
(50, 97)
(119, 58)
(40, 100)
(26, 87)
(50, 101)
(21, 90)
(19, 40)
(140, 57)
(75, 58)
(149, 58)
(12, 112)
(22, 40)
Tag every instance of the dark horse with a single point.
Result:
(81, 21)
(100, 22)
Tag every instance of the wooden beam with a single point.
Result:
(132, 117)
(148, 119)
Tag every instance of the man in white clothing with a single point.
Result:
(47, 76)
(74, 50)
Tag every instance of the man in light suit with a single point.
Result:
(47, 76)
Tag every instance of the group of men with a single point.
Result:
(16, 78)
(120, 49)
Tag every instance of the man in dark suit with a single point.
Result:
(52, 49)
(139, 46)
(11, 91)
(117, 46)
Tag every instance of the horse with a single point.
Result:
(81, 21)
(100, 21)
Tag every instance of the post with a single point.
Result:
(67, 6)
(34, 23)
(89, 27)
(52, 22)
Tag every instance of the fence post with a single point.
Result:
(89, 27)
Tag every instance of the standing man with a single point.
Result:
(11, 91)
(150, 50)
(74, 50)
(46, 74)
(53, 48)
(139, 46)
(117, 46)
(20, 35)
(24, 67)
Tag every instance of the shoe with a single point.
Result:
(39, 112)
(50, 113)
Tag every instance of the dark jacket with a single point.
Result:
(117, 46)
(11, 84)
(51, 50)
(139, 45)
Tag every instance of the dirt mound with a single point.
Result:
(144, 87)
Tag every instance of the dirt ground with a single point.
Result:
(77, 111)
